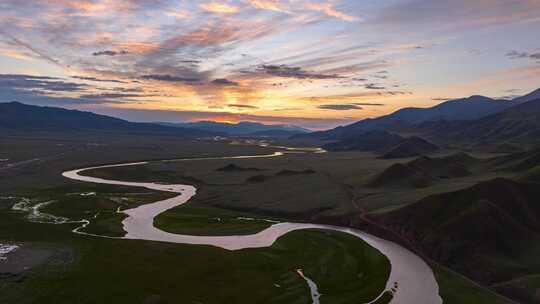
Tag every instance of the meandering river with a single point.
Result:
(410, 277)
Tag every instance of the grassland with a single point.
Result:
(456, 289)
(209, 221)
(123, 271)
(297, 187)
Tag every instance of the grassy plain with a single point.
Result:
(329, 187)
(123, 271)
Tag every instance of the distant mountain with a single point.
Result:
(244, 128)
(529, 97)
(470, 108)
(520, 123)
(465, 109)
(16, 116)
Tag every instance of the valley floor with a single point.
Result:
(328, 188)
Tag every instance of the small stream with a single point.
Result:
(314, 290)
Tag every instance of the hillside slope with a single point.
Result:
(489, 232)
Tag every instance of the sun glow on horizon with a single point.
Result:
(313, 63)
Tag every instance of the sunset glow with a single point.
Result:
(318, 64)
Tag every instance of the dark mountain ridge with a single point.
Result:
(459, 110)
(470, 108)
(16, 116)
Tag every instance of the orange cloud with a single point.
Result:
(271, 5)
(179, 14)
(14, 54)
(330, 11)
(139, 48)
(219, 8)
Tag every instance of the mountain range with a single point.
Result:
(16, 116)
(476, 121)
(244, 128)
(463, 110)
(520, 123)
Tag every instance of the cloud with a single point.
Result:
(340, 107)
(29, 47)
(373, 86)
(14, 54)
(242, 106)
(110, 53)
(369, 104)
(170, 78)
(112, 96)
(523, 55)
(178, 116)
(97, 79)
(293, 72)
(42, 90)
(38, 84)
(271, 5)
(224, 82)
(179, 14)
(219, 8)
(191, 61)
(26, 77)
(456, 15)
(329, 10)
(348, 106)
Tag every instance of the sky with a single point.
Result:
(312, 63)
